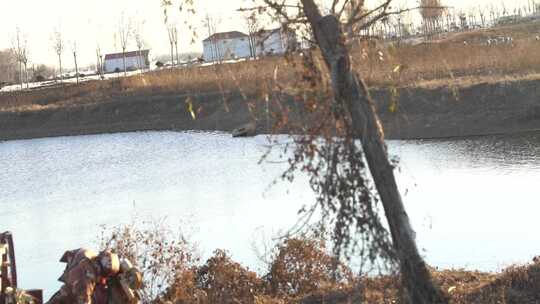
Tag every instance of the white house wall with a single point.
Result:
(131, 63)
(224, 49)
(272, 44)
(276, 43)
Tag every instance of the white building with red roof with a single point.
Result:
(135, 60)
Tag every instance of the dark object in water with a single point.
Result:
(246, 130)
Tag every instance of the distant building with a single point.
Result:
(225, 46)
(275, 42)
(235, 45)
(134, 61)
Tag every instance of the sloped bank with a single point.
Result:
(408, 113)
(481, 109)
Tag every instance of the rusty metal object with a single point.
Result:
(8, 273)
(8, 266)
(36, 294)
(119, 287)
(125, 287)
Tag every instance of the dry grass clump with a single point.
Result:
(226, 281)
(303, 266)
(247, 76)
(219, 280)
(516, 284)
(414, 65)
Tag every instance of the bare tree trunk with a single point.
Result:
(76, 67)
(177, 56)
(99, 65)
(21, 75)
(354, 96)
(26, 75)
(60, 66)
(139, 60)
(124, 61)
(251, 47)
(102, 66)
(172, 54)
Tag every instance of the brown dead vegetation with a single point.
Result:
(300, 271)
(447, 61)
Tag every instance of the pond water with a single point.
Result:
(473, 202)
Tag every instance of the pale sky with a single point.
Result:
(92, 21)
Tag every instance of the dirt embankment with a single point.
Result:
(415, 112)
(497, 107)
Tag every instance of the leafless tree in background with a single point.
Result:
(176, 44)
(483, 19)
(398, 24)
(8, 67)
(492, 14)
(99, 59)
(124, 35)
(58, 46)
(74, 51)
(504, 10)
(211, 25)
(351, 29)
(139, 41)
(431, 12)
(20, 49)
(462, 20)
(172, 24)
(172, 32)
(253, 27)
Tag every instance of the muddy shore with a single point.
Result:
(438, 112)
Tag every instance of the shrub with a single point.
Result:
(184, 289)
(226, 281)
(159, 253)
(302, 266)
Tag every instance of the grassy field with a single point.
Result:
(444, 62)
